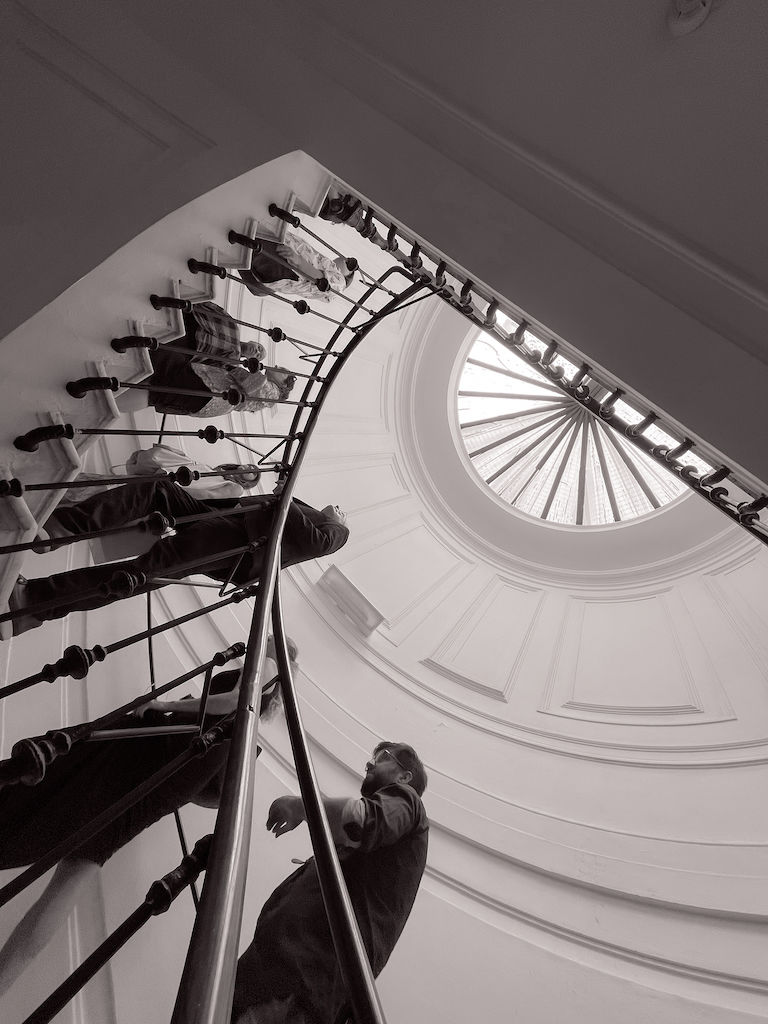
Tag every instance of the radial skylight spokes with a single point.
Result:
(544, 454)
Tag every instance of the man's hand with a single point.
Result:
(285, 814)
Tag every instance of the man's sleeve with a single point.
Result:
(384, 818)
(310, 540)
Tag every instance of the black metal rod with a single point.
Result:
(109, 481)
(204, 699)
(160, 896)
(249, 590)
(314, 348)
(168, 581)
(141, 732)
(236, 650)
(184, 568)
(75, 662)
(328, 245)
(210, 434)
(350, 951)
(301, 306)
(30, 758)
(59, 998)
(154, 523)
(352, 302)
(202, 393)
(185, 852)
(49, 673)
(68, 846)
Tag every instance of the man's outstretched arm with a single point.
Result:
(287, 813)
(365, 822)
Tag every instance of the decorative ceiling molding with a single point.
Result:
(659, 618)
(696, 755)
(679, 968)
(742, 617)
(459, 639)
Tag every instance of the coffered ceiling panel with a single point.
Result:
(632, 661)
(400, 570)
(484, 648)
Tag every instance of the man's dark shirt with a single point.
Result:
(307, 533)
(292, 951)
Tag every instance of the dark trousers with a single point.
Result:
(265, 271)
(79, 589)
(174, 370)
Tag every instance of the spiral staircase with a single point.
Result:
(590, 702)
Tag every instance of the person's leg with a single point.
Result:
(44, 918)
(265, 271)
(174, 370)
(175, 556)
(74, 591)
(121, 505)
(342, 208)
(197, 542)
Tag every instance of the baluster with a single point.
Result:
(159, 898)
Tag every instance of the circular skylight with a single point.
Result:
(540, 451)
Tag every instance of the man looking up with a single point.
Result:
(289, 973)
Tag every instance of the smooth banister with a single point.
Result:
(207, 983)
(353, 960)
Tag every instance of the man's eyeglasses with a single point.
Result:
(383, 755)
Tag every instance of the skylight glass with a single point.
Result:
(541, 452)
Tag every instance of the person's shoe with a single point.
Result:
(333, 208)
(342, 210)
(352, 214)
(52, 530)
(42, 545)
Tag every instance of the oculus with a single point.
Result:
(543, 454)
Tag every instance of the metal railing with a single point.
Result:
(205, 992)
(696, 463)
